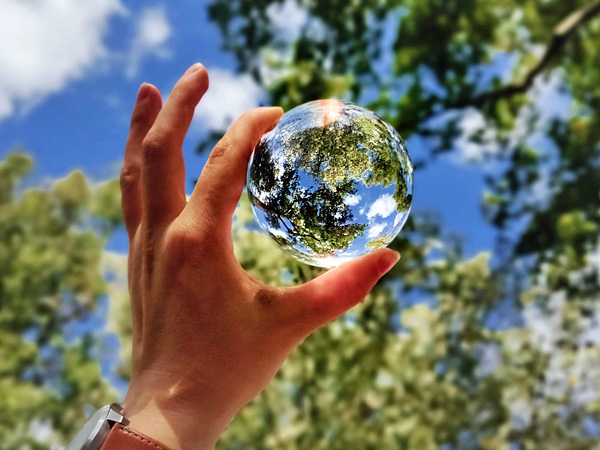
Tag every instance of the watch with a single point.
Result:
(107, 427)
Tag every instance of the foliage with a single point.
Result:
(396, 374)
(485, 354)
(50, 281)
(493, 351)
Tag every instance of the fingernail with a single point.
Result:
(387, 261)
(193, 69)
(143, 92)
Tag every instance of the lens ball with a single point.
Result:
(331, 182)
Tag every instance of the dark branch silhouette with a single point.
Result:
(561, 33)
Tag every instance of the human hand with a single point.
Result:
(207, 337)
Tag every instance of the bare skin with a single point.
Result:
(208, 337)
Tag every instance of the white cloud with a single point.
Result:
(383, 206)
(228, 97)
(352, 200)
(152, 32)
(376, 230)
(47, 44)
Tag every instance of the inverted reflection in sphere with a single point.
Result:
(332, 181)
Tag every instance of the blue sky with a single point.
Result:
(71, 70)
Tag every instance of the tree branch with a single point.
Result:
(561, 33)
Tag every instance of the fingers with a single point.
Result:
(163, 172)
(333, 293)
(220, 185)
(147, 107)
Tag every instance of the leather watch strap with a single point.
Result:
(124, 438)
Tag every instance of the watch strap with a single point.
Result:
(124, 438)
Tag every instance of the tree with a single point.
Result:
(434, 374)
(418, 365)
(51, 280)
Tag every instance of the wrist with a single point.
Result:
(175, 431)
(175, 416)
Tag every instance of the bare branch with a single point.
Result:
(561, 33)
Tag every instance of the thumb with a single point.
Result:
(333, 293)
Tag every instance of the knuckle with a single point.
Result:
(130, 176)
(185, 99)
(188, 104)
(185, 95)
(139, 118)
(152, 147)
(181, 247)
(181, 240)
(221, 150)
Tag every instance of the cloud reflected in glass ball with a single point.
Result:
(332, 181)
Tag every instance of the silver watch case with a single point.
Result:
(95, 431)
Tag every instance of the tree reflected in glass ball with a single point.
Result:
(332, 181)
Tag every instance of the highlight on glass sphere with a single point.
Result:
(331, 182)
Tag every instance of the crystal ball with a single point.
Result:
(331, 182)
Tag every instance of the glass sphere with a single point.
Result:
(331, 182)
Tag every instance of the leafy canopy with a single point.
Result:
(449, 351)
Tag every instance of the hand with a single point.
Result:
(208, 337)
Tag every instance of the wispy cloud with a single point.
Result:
(153, 30)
